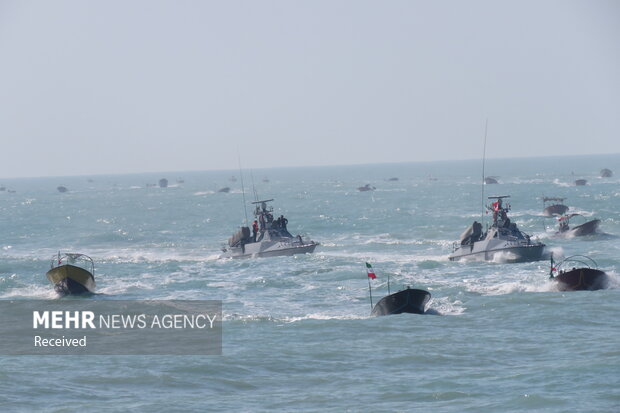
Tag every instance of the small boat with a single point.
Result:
(393, 179)
(581, 182)
(409, 300)
(270, 237)
(62, 189)
(365, 188)
(72, 273)
(490, 180)
(2, 188)
(163, 183)
(587, 228)
(578, 278)
(224, 190)
(502, 238)
(556, 208)
(606, 173)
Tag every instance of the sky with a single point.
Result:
(109, 87)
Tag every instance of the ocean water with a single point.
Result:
(297, 335)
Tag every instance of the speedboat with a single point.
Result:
(584, 277)
(581, 182)
(366, 188)
(72, 273)
(587, 228)
(501, 240)
(556, 208)
(409, 300)
(606, 173)
(270, 237)
(491, 180)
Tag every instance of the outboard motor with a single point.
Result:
(241, 236)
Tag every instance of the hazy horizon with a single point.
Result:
(96, 88)
(235, 171)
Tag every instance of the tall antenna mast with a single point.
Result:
(245, 211)
(484, 154)
(253, 186)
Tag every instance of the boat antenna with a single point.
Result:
(484, 154)
(388, 284)
(253, 186)
(551, 268)
(370, 292)
(245, 211)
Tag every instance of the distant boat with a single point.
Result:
(62, 189)
(163, 183)
(587, 228)
(393, 179)
(180, 181)
(579, 278)
(581, 182)
(265, 180)
(490, 180)
(224, 190)
(606, 173)
(72, 273)
(2, 188)
(233, 179)
(554, 209)
(365, 188)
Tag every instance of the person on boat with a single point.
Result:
(477, 231)
(254, 229)
(261, 218)
(283, 222)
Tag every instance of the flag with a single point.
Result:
(371, 272)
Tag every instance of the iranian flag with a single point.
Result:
(371, 272)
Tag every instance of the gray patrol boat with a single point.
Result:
(502, 239)
(268, 237)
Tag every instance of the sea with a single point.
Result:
(297, 331)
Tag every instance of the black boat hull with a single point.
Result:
(410, 300)
(580, 279)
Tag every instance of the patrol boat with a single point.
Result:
(502, 239)
(270, 238)
(72, 273)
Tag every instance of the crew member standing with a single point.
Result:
(255, 229)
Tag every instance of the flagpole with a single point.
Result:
(370, 292)
(389, 284)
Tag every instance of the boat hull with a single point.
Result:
(504, 252)
(588, 228)
(275, 249)
(410, 300)
(581, 279)
(70, 279)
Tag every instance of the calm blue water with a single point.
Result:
(297, 331)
